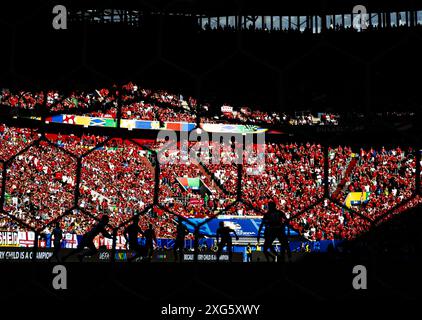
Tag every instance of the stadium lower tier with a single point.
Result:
(74, 180)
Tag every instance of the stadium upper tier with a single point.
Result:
(335, 193)
(131, 102)
(134, 107)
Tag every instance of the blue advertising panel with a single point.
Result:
(244, 227)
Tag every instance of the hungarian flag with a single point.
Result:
(190, 183)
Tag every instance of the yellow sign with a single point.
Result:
(356, 198)
(9, 239)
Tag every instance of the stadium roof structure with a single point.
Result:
(215, 7)
(263, 7)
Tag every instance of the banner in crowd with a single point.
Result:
(108, 243)
(9, 239)
(190, 183)
(155, 125)
(133, 124)
(70, 241)
(83, 120)
(356, 198)
(232, 128)
(244, 227)
(226, 109)
(25, 239)
(196, 201)
(195, 184)
(16, 239)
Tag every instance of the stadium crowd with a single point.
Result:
(21, 99)
(118, 178)
(40, 185)
(76, 145)
(139, 103)
(386, 174)
(13, 140)
(328, 221)
(183, 200)
(140, 111)
(292, 175)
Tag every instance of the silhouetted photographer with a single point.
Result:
(226, 240)
(179, 243)
(88, 239)
(274, 222)
(131, 236)
(56, 237)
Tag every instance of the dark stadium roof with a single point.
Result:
(298, 69)
(220, 7)
(262, 7)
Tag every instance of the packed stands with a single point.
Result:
(12, 141)
(199, 200)
(116, 179)
(292, 175)
(133, 102)
(386, 175)
(40, 185)
(140, 111)
(21, 99)
(76, 145)
(118, 176)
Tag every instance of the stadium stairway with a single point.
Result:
(343, 181)
(148, 164)
(206, 172)
(217, 184)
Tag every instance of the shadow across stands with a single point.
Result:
(390, 253)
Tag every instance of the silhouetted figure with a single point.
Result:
(249, 253)
(131, 236)
(57, 236)
(150, 238)
(274, 222)
(88, 239)
(226, 240)
(179, 243)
